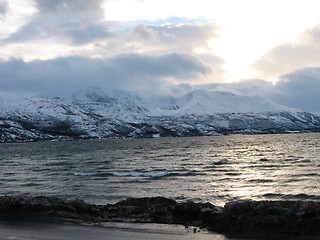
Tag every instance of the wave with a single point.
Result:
(84, 174)
(305, 175)
(261, 180)
(135, 174)
(265, 160)
(301, 196)
(152, 175)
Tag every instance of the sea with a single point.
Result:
(215, 169)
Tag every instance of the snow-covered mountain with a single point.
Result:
(92, 113)
(202, 102)
(121, 105)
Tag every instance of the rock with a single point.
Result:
(15, 208)
(300, 218)
(246, 217)
(157, 210)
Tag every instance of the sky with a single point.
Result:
(269, 48)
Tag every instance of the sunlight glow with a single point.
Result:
(248, 28)
(245, 29)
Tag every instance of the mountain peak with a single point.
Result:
(202, 102)
(92, 94)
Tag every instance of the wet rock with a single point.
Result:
(15, 208)
(156, 210)
(160, 210)
(300, 218)
(196, 214)
(245, 217)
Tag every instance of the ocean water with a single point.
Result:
(215, 169)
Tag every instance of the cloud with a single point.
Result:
(303, 52)
(248, 87)
(75, 9)
(75, 20)
(299, 89)
(141, 55)
(4, 9)
(62, 76)
(150, 38)
(77, 28)
(164, 74)
(160, 40)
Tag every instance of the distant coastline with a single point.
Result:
(222, 132)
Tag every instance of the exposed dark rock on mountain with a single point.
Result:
(245, 217)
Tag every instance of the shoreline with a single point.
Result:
(29, 230)
(130, 231)
(61, 139)
(246, 217)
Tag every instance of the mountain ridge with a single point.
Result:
(93, 114)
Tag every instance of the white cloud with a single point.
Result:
(67, 35)
(77, 28)
(301, 53)
(168, 39)
(159, 39)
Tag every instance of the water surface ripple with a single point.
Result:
(214, 169)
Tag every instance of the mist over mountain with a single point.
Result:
(92, 114)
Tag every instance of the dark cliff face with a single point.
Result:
(301, 218)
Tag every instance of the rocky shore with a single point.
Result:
(296, 218)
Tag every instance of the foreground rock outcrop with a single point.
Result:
(300, 218)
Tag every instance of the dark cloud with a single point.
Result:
(76, 20)
(74, 9)
(150, 74)
(129, 72)
(4, 9)
(181, 66)
(300, 89)
(303, 52)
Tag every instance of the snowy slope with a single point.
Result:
(52, 117)
(92, 113)
(201, 102)
(120, 105)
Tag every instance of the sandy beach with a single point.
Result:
(115, 231)
(110, 231)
